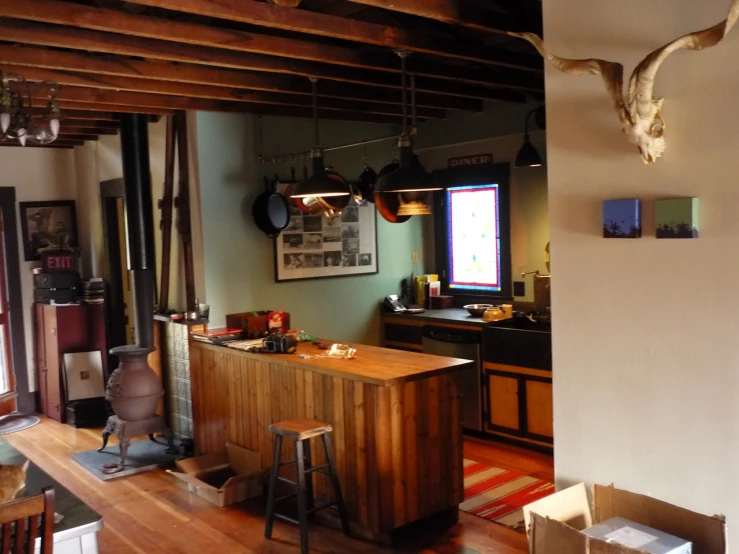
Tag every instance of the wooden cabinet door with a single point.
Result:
(539, 416)
(503, 403)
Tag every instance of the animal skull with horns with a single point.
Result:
(641, 117)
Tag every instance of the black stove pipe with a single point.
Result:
(140, 222)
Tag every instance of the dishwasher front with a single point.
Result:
(464, 344)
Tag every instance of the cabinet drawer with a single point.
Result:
(403, 333)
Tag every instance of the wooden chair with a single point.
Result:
(19, 521)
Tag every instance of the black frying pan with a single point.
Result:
(271, 211)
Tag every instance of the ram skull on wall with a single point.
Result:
(641, 117)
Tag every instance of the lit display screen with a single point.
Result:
(474, 238)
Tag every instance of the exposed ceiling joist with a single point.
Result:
(74, 137)
(67, 129)
(312, 23)
(192, 74)
(26, 32)
(89, 123)
(454, 12)
(57, 144)
(114, 83)
(109, 43)
(80, 98)
(76, 106)
(378, 70)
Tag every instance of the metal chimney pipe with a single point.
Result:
(140, 222)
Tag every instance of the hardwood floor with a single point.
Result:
(151, 513)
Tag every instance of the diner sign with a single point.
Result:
(477, 159)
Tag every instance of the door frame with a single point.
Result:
(25, 400)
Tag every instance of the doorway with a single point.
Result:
(14, 386)
(121, 329)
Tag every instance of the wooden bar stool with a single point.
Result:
(301, 430)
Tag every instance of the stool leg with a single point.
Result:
(302, 500)
(270, 518)
(339, 498)
(310, 501)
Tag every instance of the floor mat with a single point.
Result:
(143, 455)
(17, 422)
(498, 494)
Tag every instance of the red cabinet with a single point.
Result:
(59, 330)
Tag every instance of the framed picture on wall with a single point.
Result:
(314, 246)
(44, 225)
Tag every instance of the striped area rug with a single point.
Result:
(498, 494)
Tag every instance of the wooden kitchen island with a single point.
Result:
(396, 417)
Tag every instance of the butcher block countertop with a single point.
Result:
(371, 364)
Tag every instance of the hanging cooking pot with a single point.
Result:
(366, 183)
(271, 211)
(388, 203)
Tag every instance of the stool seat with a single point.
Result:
(300, 429)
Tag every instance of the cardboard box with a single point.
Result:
(223, 479)
(555, 524)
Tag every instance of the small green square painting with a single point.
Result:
(677, 218)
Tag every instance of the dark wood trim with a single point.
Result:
(25, 399)
(110, 191)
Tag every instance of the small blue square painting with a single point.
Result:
(622, 219)
(677, 218)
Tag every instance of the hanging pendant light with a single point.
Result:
(528, 155)
(320, 184)
(18, 119)
(410, 180)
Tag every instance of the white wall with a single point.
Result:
(646, 387)
(37, 174)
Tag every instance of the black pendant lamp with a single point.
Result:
(529, 156)
(320, 184)
(410, 180)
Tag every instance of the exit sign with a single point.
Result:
(477, 159)
(55, 260)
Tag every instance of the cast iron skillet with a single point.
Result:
(388, 202)
(271, 211)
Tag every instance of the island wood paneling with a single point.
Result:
(398, 448)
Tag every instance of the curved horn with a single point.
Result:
(641, 84)
(612, 72)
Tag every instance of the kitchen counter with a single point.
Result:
(77, 531)
(456, 316)
(372, 364)
(396, 418)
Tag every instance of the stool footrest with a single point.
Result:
(323, 469)
(286, 497)
(288, 519)
(322, 506)
(288, 481)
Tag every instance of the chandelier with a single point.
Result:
(18, 119)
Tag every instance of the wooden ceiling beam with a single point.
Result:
(186, 90)
(89, 123)
(82, 137)
(135, 102)
(27, 32)
(455, 12)
(98, 117)
(67, 145)
(71, 105)
(66, 129)
(193, 74)
(257, 13)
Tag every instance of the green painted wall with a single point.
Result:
(239, 259)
